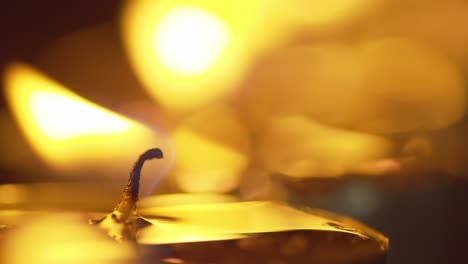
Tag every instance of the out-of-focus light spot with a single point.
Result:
(299, 147)
(212, 150)
(442, 25)
(189, 40)
(321, 81)
(358, 87)
(61, 239)
(191, 53)
(47, 109)
(70, 132)
(12, 194)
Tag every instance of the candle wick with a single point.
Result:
(127, 203)
(119, 224)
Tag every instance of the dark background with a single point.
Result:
(426, 223)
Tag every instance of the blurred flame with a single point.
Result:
(61, 239)
(190, 53)
(184, 199)
(68, 131)
(44, 107)
(189, 40)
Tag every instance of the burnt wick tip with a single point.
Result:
(153, 153)
(130, 196)
(134, 180)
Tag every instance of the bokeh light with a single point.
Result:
(191, 53)
(360, 86)
(189, 40)
(69, 132)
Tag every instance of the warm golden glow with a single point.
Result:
(316, 13)
(189, 53)
(359, 87)
(299, 147)
(61, 239)
(12, 194)
(238, 219)
(61, 117)
(189, 40)
(212, 148)
(68, 131)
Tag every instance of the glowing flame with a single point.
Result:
(59, 126)
(69, 131)
(190, 53)
(189, 40)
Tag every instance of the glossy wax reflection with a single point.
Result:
(219, 229)
(202, 222)
(60, 238)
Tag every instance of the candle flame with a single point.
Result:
(189, 53)
(68, 131)
(59, 126)
(189, 40)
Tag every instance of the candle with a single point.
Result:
(191, 229)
